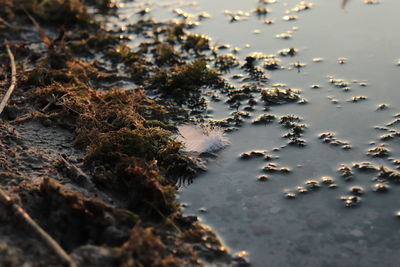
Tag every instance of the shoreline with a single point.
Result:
(95, 166)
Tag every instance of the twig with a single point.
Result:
(24, 118)
(24, 216)
(78, 175)
(13, 79)
(82, 179)
(7, 24)
(46, 40)
(13, 27)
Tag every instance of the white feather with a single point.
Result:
(202, 138)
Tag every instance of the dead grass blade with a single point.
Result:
(28, 221)
(13, 79)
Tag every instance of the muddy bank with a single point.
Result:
(92, 161)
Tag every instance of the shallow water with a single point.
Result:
(314, 229)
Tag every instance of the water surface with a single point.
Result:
(314, 229)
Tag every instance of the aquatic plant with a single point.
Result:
(380, 187)
(197, 43)
(312, 184)
(345, 172)
(225, 62)
(252, 154)
(351, 201)
(264, 119)
(379, 152)
(330, 138)
(365, 166)
(276, 96)
(357, 190)
(166, 54)
(288, 52)
(327, 180)
(388, 174)
(271, 63)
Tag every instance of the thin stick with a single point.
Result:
(78, 175)
(7, 24)
(13, 27)
(24, 216)
(13, 79)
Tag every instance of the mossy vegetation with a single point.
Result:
(128, 138)
(182, 82)
(276, 96)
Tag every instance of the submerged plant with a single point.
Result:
(276, 96)
(225, 62)
(197, 43)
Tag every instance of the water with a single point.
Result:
(315, 229)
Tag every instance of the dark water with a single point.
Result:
(314, 229)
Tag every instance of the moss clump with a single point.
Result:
(271, 63)
(90, 42)
(181, 82)
(58, 11)
(72, 219)
(204, 236)
(278, 96)
(264, 119)
(296, 129)
(197, 43)
(226, 62)
(149, 144)
(145, 248)
(389, 174)
(379, 152)
(138, 183)
(122, 53)
(165, 54)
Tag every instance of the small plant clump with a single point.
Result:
(264, 119)
(330, 138)
(390, 136)
(357, 98)
(378, 152)
(252, 154)
(226, 62)
(388, 174)
(272, 168)
(288, 52)
(351, 201)
(271, 64)
(312, 184)
(365, 167)
(345, 172)
(276, 96)
(197, 43)
(380, 187)
(181, 82)
(296, 129)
